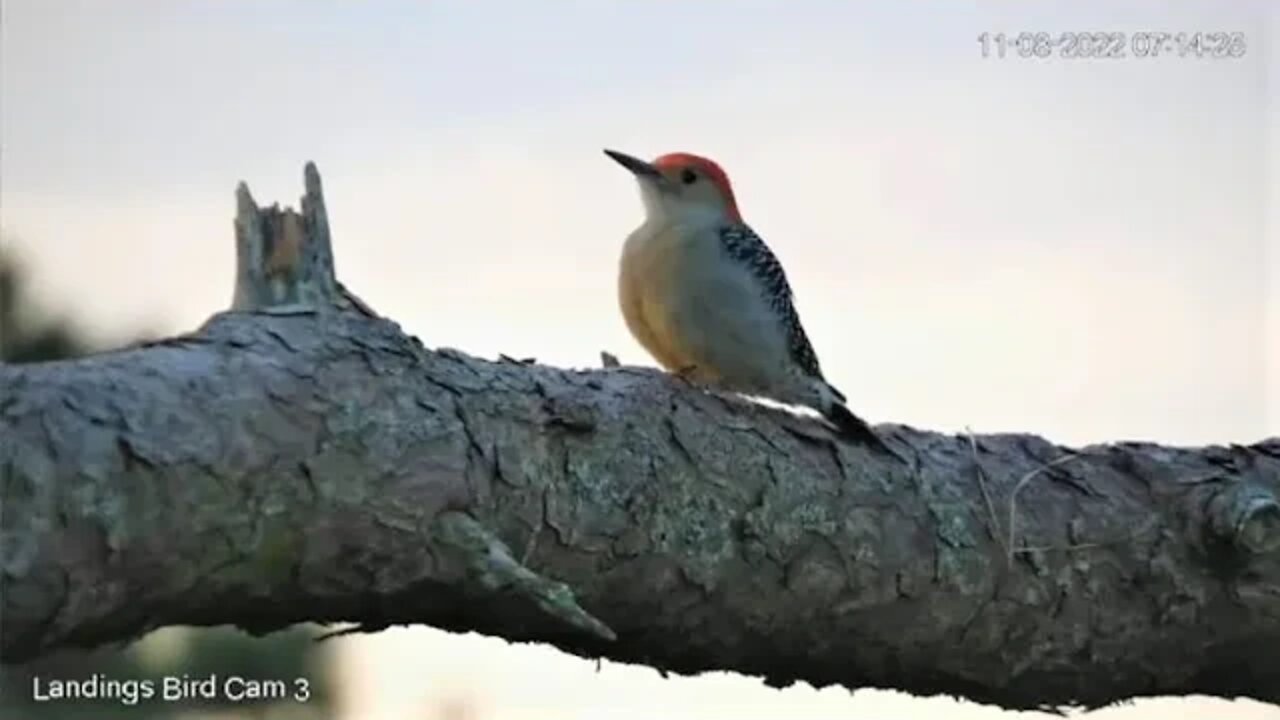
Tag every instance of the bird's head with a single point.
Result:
(682, 186)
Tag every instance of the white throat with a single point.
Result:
(662, 208)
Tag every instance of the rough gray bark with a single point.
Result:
(293, 461)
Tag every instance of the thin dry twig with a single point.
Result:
(1013, 500)
(982, 485)
(1087, 545)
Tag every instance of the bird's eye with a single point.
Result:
(688, 177)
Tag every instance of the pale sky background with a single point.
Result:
(1085, 249)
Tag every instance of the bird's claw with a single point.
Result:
(686, 373)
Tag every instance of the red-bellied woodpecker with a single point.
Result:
(707, 298)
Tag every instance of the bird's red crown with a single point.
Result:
(705, 167)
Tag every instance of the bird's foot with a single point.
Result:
(686, 374)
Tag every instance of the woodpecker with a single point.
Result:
(707, 298)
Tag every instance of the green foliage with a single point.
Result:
(23, 339)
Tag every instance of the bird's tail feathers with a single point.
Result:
(851, 426)
(839, 396)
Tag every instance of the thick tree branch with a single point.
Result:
(299, 459)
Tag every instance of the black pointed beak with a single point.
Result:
(638, 167)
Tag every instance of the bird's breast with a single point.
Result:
(655, 258)
(657, 276)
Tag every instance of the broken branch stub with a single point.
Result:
(1248, 517)
(285, 258)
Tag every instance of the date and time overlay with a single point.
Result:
(1032, 45)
